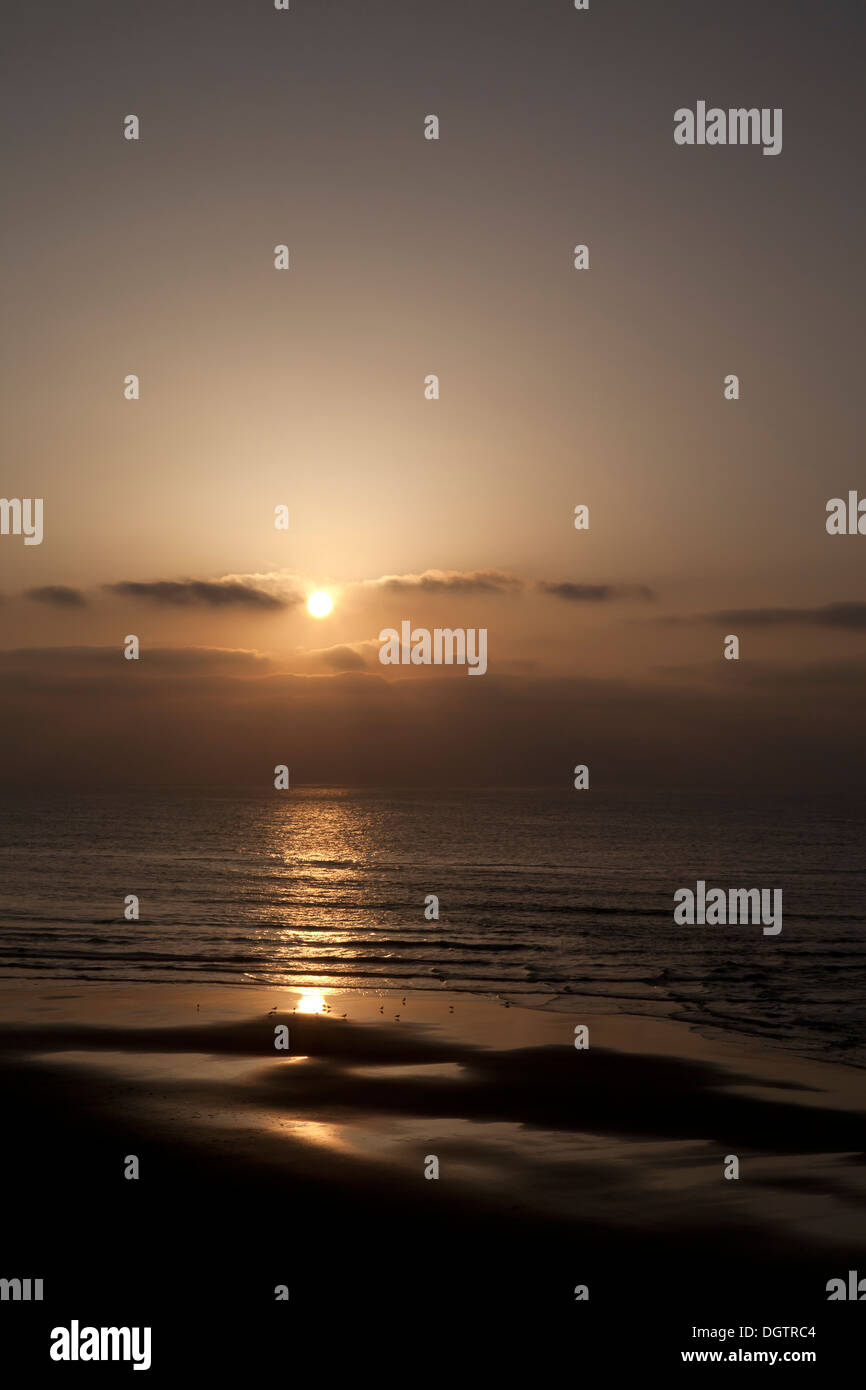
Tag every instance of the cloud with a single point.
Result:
(769, 675)
(451, 581)
(849, 617)
(58, 595)
(209, 593)
(594, 593)
(341, 658)
(85, 717)
(53, 666)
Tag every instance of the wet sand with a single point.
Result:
(558, 1167)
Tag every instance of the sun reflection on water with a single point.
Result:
(312, 1001)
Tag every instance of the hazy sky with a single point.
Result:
(306, 387)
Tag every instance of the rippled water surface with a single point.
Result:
(542, 896)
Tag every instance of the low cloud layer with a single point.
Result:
(842, 616)
(196, 717)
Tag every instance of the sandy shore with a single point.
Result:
(558, 1167)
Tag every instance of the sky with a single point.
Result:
(305, 388)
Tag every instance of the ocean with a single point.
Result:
(545, 898)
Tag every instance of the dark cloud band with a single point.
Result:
(203, 593)
(594, 593)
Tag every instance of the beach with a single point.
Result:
(585, 1185)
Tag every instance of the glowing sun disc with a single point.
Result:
(320, 604)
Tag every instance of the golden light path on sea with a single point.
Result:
(312, 1001)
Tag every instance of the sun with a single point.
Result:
(320, 604)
